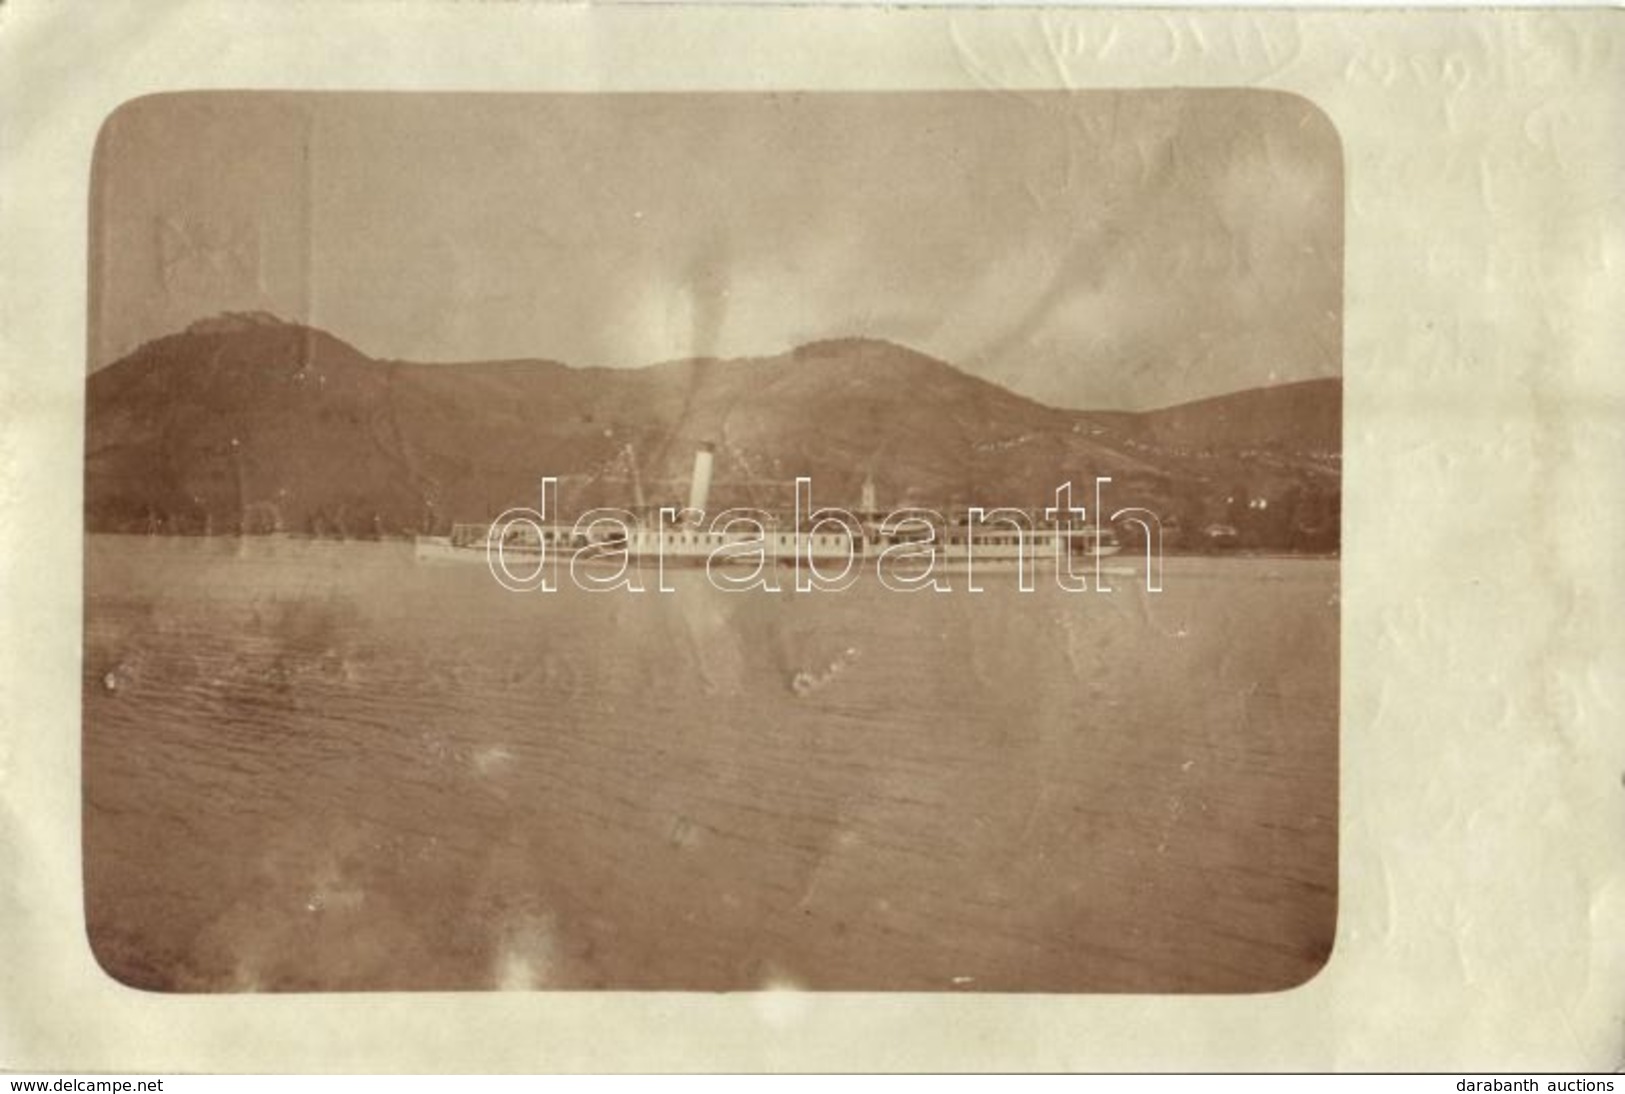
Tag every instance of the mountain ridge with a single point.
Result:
(245, 422)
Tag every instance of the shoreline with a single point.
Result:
(412, 540)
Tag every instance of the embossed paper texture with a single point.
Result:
(1100, 524)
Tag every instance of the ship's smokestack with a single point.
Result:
(699, 488)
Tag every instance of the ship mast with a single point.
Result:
(637, 479)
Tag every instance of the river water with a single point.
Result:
(327, 766)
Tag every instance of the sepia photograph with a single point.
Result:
(935, 541)
(713, 541)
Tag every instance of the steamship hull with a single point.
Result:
(678, 549)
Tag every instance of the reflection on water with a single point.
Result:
(322, 766)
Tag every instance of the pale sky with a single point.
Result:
(1097, 250)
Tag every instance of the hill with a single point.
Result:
(247, 423)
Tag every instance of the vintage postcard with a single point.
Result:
(655, 541)
(894, 524)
